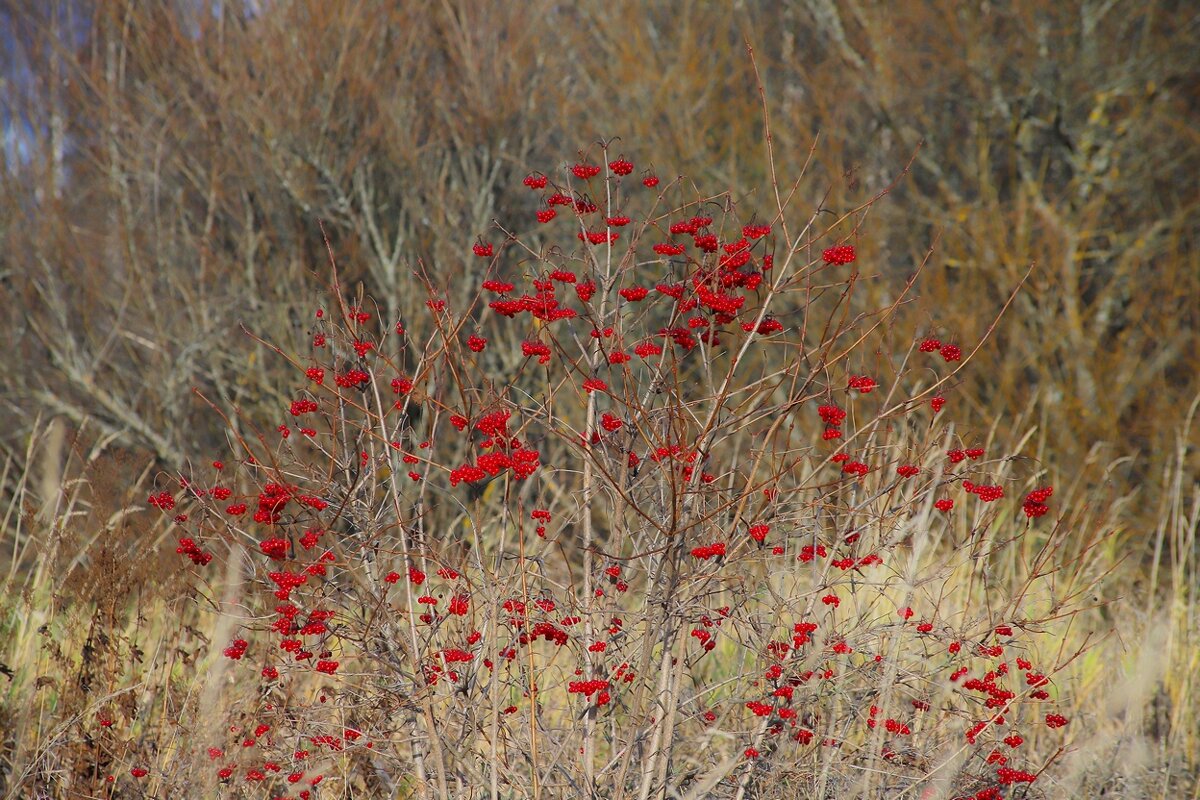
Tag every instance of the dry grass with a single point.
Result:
(106, 627)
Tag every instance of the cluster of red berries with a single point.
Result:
(287, 582)
(768, 326)
(705, 552)
(621, 166)
(839, 255)
(535, 348)
(189, 548)
(862, 383)
(831, 415)
(950, 352)
(352, 379)
(956, 455)
(1035, 502)
(163, 501)
(759, 532)
(985, 493)
(855, 468)
(1007, 776)
(304, 406)
(460, 604)
(276, 549)
(587, 171)
(271, 502)
(598, 237)
(587, 688)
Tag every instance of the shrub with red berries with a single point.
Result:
(586, 500)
